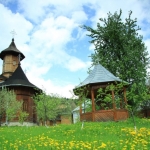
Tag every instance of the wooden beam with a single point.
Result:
(125, 99)
(124, 95)
(95, 87)
(80, 108)
(114, 106)
(93, 105)
(113, 99)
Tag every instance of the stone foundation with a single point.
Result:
(19, 124)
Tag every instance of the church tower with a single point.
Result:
(11, 57)
(14, 78)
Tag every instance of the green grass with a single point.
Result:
(99, 135)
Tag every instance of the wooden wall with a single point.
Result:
(66, 119)
(25, 94)
(10, 63)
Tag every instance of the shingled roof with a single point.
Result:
(18, 78)
(99, 75)
(12, 49)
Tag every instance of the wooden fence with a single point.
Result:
(105, 115)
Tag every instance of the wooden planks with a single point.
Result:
(105, 115)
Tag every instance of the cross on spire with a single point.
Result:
(13, 33)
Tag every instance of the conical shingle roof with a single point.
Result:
(18, 78)
(99, 75)
(12, 49)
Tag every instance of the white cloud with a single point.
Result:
(48, 43)
(33, 10)
(46, 28)
(46, 7)
(9, 22)
(79, 16)
(140, 10)
(74, 64)
(51, 87)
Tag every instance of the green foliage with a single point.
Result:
(87, 105)
(12, 105)
(23, 116)
(47, 107)
(94, 135)
(137, 99)
(66, 105)
(120, 49)
(2, 104)
(9, 106)
(104, 96)
(82, 93)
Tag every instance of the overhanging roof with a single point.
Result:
(99, 75)
(18, 78)
(12, 49)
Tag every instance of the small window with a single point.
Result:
(25, 105)
(14, 62)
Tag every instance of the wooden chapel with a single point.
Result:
(100, 77)
(14, 78)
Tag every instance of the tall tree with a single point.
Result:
(46, 106)
(2, 104)
(9, 106)
(119, 48)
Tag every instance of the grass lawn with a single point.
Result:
(93, 136)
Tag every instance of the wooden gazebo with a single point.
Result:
(98, 78)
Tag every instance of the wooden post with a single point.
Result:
(114, 106)
(125, 99)
(124, 94)
(80, 110)
(113, 97)
(93, 105)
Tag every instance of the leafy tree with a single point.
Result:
(9, 106)
(66, 105)
(120, 49)
(104, 96)
(2, 104)
(83, 100)
(23, 116)
(12, 106)
(46, 106)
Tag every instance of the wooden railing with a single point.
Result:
(105, 115)
(86, 116)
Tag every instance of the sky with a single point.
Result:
(48, 32)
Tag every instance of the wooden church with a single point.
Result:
(14, 78)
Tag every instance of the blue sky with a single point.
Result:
(57, 50)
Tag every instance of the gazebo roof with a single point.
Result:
(12, 49)
(18, 78)
(99, 75)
